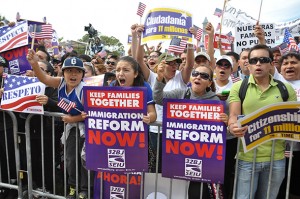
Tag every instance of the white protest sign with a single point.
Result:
(245, 37)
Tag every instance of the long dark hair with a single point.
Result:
(139, 80)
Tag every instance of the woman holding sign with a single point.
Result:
(202, 88)
(128, 74)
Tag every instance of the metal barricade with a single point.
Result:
(35, 192)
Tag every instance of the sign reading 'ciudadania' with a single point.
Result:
(116, 136)
(194, 140)
(166, 23)
(276, 121)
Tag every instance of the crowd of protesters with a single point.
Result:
(192, 74)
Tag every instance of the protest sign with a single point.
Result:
(193, 140)
(116, 135)
(17, 60)
(166, 23)
(277, 121)
(245, 37)
(20, 94)
(94, 80)
(13, 37)
(115, 185)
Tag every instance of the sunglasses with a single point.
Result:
(204, 76)
(111, 63)
(225, 65)
(152, 57)
(262, 60)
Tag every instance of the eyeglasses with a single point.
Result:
(111, 63)
(204, 76)
(152, 56)
(224, 64)
(262, 60)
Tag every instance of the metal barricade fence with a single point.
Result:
(32, 191)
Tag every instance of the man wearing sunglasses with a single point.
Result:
(111, 63)
(262, 91)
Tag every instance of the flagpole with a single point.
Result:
(33, 36)
(261, 1)
(221, 25)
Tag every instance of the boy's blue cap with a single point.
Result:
(73, 62)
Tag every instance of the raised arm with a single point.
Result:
(141, 53)
(134, 41)
(187, 69)
(46, 79)
(260, 33)
(210, 47)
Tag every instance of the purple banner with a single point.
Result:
(16, 58)
(115, 185)
(116, 136)
(165, 23)
(194, 140)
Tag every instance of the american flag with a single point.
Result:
(234, 78)
(218, 12)
(177, 45)
(289, 40)
(20, 93)
(66, 104)
(283, 48)
(41, 32)
(18, 36)
(199, 34)
(141, 9)
(229, 37)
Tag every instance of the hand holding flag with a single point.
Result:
(67, 105)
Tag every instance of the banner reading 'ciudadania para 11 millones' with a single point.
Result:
(194, 140)
(166, 23)
(116, 136)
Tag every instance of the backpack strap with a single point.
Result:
(283, 90)
(243, 89)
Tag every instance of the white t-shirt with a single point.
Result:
(175, 83)
(227, 87)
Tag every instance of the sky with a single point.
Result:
(114, 17)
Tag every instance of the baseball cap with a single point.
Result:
(168, 58)
(204, 54)
(225, 57)
(3, 62)
(73, 62)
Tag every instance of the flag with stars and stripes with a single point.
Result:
(13, 37)
(177, 45)
(218, 12)
(289, 40)
(20, 94)
(66, 104)
(199, 34)
(43, 31)
(141, 9)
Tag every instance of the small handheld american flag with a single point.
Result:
(66, 105)
(141, 9)
(199, 34)
(177, 45)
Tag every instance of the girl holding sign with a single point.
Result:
(128, 74)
